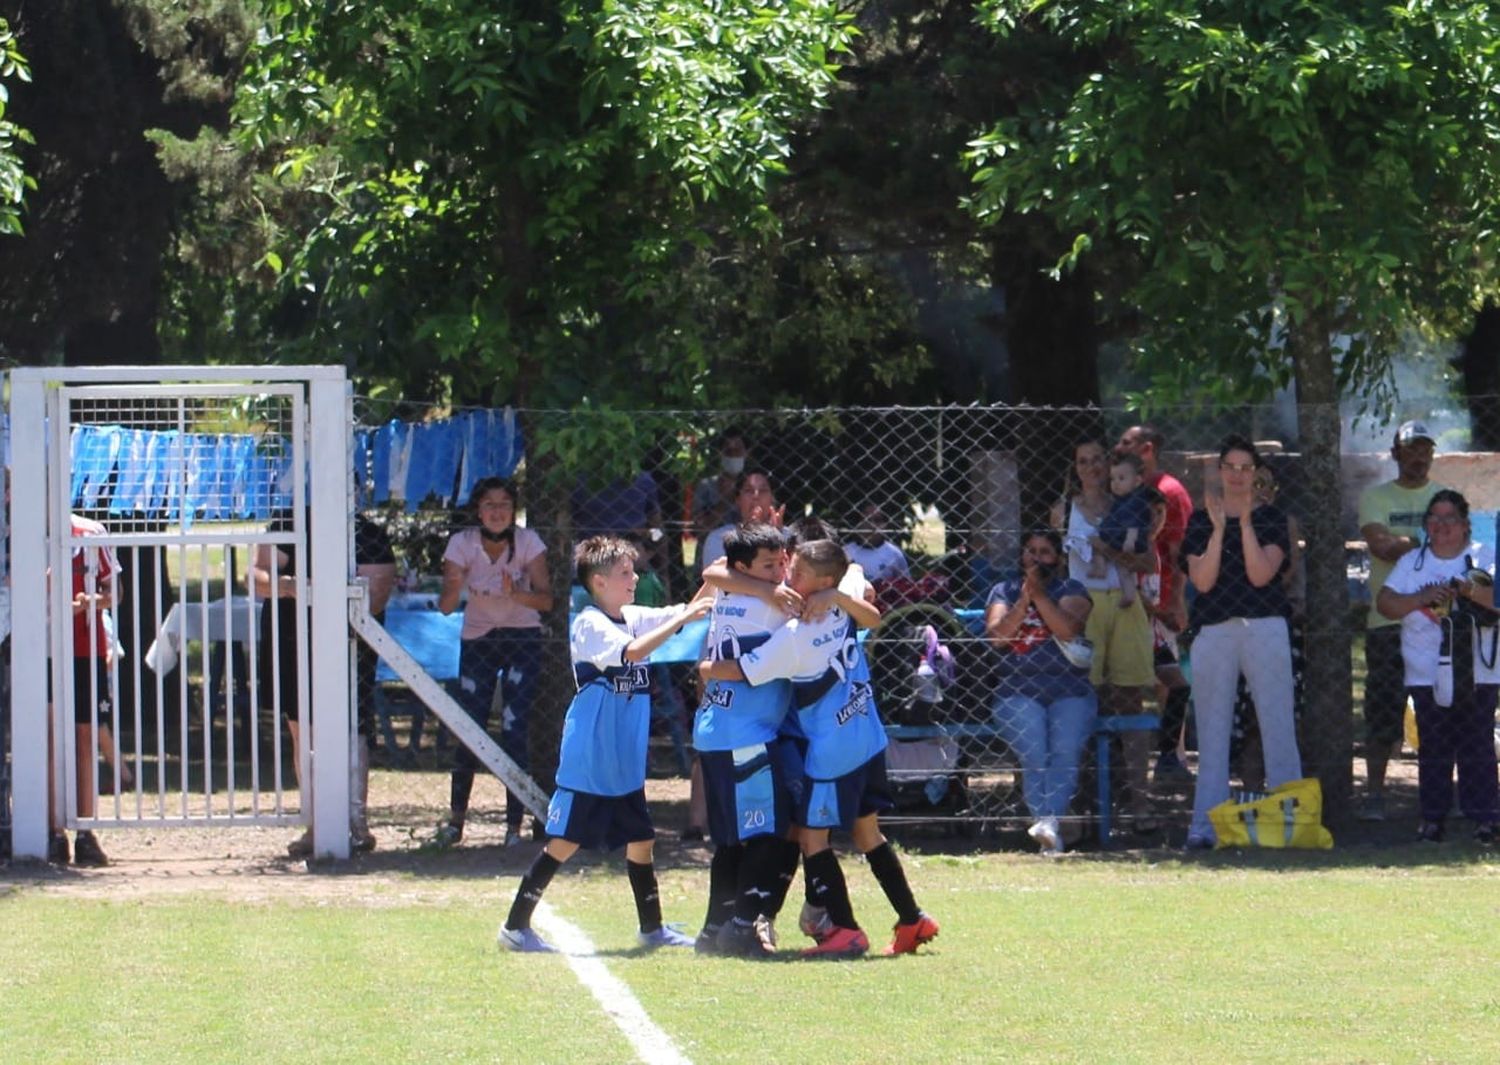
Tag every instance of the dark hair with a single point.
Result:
(732, 432)
(1447, 495)
(598, 554)
(483, 487)
(1151, 435)
(749, 472)
(825, 557)
(1236, 442)
(1046, 532)
(1071, 484)
(743, 542)
(1127, 458)
(808, 527)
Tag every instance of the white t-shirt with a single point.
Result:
(712, 548)
(1085, 565)
(1421, 634)
(879, 563)
(486, 607)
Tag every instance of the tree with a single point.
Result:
(504, 188)
(83, 284)
(13, 179)
(1284, 175)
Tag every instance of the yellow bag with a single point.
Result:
(1409, 727)
(1287, 816)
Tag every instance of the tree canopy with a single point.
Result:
(1266, 167)
(13, 179)
(495, 188)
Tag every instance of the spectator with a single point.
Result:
(1390, 517)
(95, 580)
(623, 508)
(1120, 631)
(1444, 596)
(1244, 746)
(1166, 603)
(499, 570)
(714, 497)
(754, 500)
(1045, 707)
(867, 546)
(1128, 522)
(375, 561)
(1240, 613)
(273, 577)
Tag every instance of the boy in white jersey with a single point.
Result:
(844, 783)
(600, 800)
(748, 758)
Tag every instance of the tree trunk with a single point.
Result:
(1480, 363)
(1327, 733)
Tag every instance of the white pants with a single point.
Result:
(1261, 649)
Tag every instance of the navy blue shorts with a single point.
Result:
(839, 803)
(747, 790)
(599, 822)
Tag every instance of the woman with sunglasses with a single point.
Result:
(1236, 550)
(1447, 576)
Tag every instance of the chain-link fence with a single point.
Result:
(995, 720)
(938, 505)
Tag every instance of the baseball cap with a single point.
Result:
(1414, 430)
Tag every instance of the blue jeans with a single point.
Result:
(1048, 738)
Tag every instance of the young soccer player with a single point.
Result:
(600, 800)
(844, 783)
(735, 732)
(746, 757)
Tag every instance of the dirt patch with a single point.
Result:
(250, 864)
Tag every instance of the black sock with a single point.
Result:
(723, 880)
(760, 875)
(459, 790)
(887, 869)
(789, 856)
(647, 901)
(1173, 715)
(530, 892)
(826, 887)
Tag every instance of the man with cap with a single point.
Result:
(1390, 520)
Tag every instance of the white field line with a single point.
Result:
(652, 1045)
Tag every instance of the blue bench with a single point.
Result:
(1104, 728)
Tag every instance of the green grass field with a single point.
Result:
(1358, 956)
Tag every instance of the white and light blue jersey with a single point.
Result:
(606, 728)
(832, 698)
(734, 714)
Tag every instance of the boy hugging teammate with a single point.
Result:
(843, 784)
(746, 762)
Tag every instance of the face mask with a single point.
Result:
(734, 467)
(1045, 572)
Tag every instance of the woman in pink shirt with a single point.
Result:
(498, 570)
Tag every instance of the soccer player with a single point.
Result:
(600, 800)
(844, 783)
(748, 762)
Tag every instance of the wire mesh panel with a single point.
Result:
(180, 502)
(938, 505)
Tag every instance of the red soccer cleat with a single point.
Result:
(911, 936)
(840, 943)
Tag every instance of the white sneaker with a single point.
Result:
(1048, 835)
